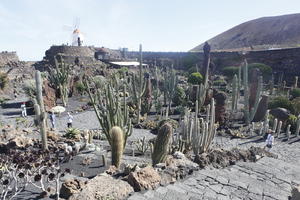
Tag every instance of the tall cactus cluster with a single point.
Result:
(110, 109)
(162, 143)
(40, 114)
(199, 132)
(139, 86)
(60, 77)
(249, 114)
(170, 83)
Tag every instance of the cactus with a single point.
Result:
(203, 131)
(257, 97)
(298, 127)
(288, 132)
(147, 98)
(266, 123)
(170, 84)
(142, 145)
(234, 93)
(262, 128)
(275, 124)
(246, 92)
(156, 93)
(138, 87)
(110, 110)
(296, 82)
(60, 78)
(117, 143)
(272, 85)
(279, 129)
(162, 143)
(40, 114)
(239, 81)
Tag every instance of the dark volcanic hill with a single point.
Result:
(263, 33)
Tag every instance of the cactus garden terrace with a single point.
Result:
(149, 132)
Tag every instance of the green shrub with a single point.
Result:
(292, 120)
(3, 80)
(264, 69)
(195, 78)
(230, 71)
(72, 133)
(295, 93)
(220, 82)
(281, 102)
(179, 96)
(80, 88)
(296, 105)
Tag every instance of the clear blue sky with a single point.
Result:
(31, 26)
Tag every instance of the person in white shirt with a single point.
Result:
(270, 140)
(70, 120)
(23, 108)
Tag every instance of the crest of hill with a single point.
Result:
(259, 34)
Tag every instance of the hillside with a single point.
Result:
(263, 33)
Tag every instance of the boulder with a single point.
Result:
(103, 186)
(144, 179)
(70, 187)
(296, 193)
(20, 142)
(281, 114)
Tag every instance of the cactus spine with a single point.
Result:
(162, 142)
(117, 143)
(39, 109)
(234, 93)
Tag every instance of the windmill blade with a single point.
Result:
(67, 28)
(76, 22)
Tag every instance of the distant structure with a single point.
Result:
(77, 38)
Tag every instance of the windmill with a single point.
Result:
(77, 37)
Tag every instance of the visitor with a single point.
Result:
(70, 120)
(23, 108)
(52, 119)
(270, 140)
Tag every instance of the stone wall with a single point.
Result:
(286, 61)
(6, 57)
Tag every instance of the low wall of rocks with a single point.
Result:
(6, 57)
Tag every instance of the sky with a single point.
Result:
(30, 27)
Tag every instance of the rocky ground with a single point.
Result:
(268, 178)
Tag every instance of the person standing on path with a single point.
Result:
(70, 120)
(270, 140)
(23, 108)
(52, 120)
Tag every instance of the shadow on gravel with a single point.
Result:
(258, 140)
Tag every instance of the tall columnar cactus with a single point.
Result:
(234, 93)
(266, 122)
(170, 84)
(203, 131)
(110, 110)
(275, 124)
(60, 78)
(147, 98)
(272, 85)
(40, 114)
(257, 97)
(279, 129)
(298, 126)
(162, 143)
(139, 86)
(288, 132)
(117, 143)
(239, 80)
(246, 92)
(156, 92)
(296, 82)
